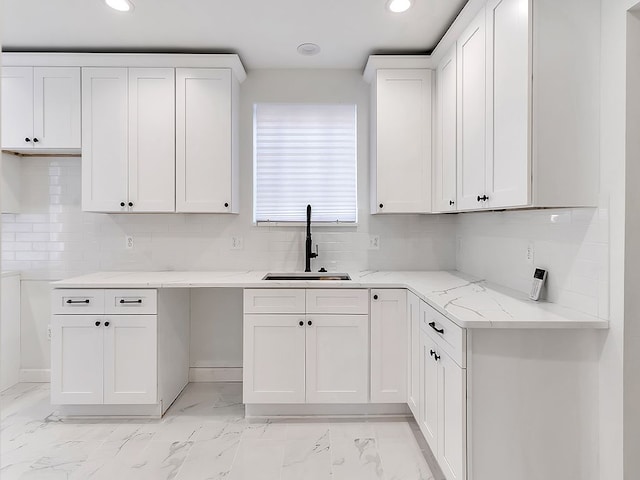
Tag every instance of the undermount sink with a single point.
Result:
(306, 276)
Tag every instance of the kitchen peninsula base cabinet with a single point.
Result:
(118, 351)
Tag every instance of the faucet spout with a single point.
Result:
(309, 254)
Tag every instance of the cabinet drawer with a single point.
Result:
(130, 302)
(447, 335)
(341, 301)
(275, 300)
(80, 301)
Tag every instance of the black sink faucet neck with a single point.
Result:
(308, 253)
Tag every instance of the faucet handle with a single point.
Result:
(314, 255)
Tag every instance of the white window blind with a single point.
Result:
(304, 154)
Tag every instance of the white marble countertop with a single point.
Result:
(469, 302)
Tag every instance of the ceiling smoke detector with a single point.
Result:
(399, 6)
(308, 49)
(120, 5)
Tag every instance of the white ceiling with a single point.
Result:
(264, 33)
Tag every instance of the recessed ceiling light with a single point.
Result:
(308, 49)
(120, 5)
(399, 6)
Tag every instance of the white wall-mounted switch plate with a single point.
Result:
(236, 243)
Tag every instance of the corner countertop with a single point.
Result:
(469, 302)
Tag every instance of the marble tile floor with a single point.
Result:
(204, 435)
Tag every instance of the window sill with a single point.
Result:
(304, 224)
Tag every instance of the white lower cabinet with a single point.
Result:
(413, 349)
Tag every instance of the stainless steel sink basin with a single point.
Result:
(307, 276)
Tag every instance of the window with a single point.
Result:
(304, 154)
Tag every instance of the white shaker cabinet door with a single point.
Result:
(151, 139)
(17, 107)
(403, 141)
(389, 346)
(77, 359)
(444, 167)
(130, 359)
(452, 418)
(428, 419)
(508, 168)
(413, 360)
(337, 358)
(274, 359)
(470, 59)
(105, 127)
(56, 107)
(204, 145)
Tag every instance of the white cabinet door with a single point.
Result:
(17, 107)
(130, 359)
(389, 346)
(452, 419)
(204, 156)
(413, 349)
(105, 129)
(274, 359)
(56, 107)
(444, 167)
(337, 358)
(152, 139)
(403, 141)
(470, 59)
(9, 331)
(429, 385)
(508, 169)
(76, 359)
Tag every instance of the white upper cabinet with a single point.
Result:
(444, 162)
(507, 156)
(128, 147)
(206, 136)
(40, 108)
(471, 118)
(401, 139)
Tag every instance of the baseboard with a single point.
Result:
(215, 374)
(35, 375)
(327, 410)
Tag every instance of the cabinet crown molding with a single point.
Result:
(170, 60)
(376, 62)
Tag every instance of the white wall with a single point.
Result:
(52, 238)
(572, 244)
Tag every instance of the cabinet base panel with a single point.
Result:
(326, 410)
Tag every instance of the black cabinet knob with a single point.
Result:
(375, 297)
(381, 205)
(27, 139)
(301, 323)
(309, 323)
(131, 204)
(451, 202)
(122, 204)
(106, 324)
(226, 204)
(97, 324)
(35, 140)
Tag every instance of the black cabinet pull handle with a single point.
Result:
(436, 357)
(226, 204)
(122, 204)
(375, 297)
(483, 198)
(432, 353)
(451, 202)
(122, 300)
(433, 325)
(27, 139)
(35, 140)
(97, 324)
(381, 205)
(301, 323)
(78, 301)
(106, 324)
(309, 323)
(131, 204)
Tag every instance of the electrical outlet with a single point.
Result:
(374, 242)
(236, 243)
(129, 242)
(49, 332)
(530, 254)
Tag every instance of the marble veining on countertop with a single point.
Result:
(469, 302)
